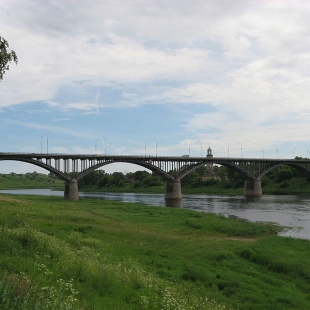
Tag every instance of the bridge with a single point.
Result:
(72, 167)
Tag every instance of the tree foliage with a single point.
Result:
(278, 179)
(6, 57)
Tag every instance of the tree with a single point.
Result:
(6, 56)
(140, 175)
(284, 173)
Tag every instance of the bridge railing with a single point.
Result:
(147, 157)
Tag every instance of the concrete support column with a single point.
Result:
(173, 193)
(253, 188)
(73, 190)
(66, 192)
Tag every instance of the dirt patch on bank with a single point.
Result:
(7, 198)
(242, 239)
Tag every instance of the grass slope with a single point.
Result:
(94, 254)
(29, 181)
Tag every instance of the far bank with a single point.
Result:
(280, 182)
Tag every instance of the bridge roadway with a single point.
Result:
(73, 167)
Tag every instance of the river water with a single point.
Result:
(292, 212)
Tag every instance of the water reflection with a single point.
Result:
(253, 199)
(173, 203)
(289, 211)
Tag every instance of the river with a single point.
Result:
(289, 211)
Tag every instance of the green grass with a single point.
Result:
(29, 181)
(294, 186)
(130, 188)
(94, 254)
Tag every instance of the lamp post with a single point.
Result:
(294, 152)
(155, 147)
(233, 143)
(96, 146)
(307, 152)
(46, 144)
(105, 147)
(276, 149)
(240, 147)
(189, 149)
(145, 148)
(228, 149)
(264, 151)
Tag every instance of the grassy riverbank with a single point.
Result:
(298, 186)
(130, 188)
(293, 186)
(30, 181)
(94, 254)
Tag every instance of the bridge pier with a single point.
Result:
(253, 187)
(173, 194)
(66, 191)
(71, 190)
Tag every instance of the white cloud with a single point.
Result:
(249, 60)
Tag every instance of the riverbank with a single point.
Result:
(110, 255)
(298, 188)
(294, 186)
(130, 188)
(30, 181)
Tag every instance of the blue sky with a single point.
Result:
(123, 77)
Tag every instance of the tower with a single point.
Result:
(209, 155)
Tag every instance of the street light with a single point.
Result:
(155, 146)
(233, 143)
(46, 144)
(264, 151)
(105, 147)
(294, 151)
(228, 149)
(145, 148)
(96, 146)
(276, 150)
(240, 147)
(307, 152)
(189, 149)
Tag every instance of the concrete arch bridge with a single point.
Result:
(72, 167)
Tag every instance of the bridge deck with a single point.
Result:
(148, 157)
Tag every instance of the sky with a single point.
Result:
(171, 77)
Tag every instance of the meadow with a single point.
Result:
(30, 180)
(95, 254)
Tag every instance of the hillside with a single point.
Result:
(94, 254)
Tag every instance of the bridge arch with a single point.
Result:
(146, 165)
(294, 165)
(246, 174)
(171, 168)
(37, 163)
(240, 170)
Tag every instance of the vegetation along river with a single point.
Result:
(289, 211)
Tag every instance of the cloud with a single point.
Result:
(245, 63)
(55, 129)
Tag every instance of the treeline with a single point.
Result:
(219, 180)
(30, 180)
(100, 179)
(281, 180)
(286, 180)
